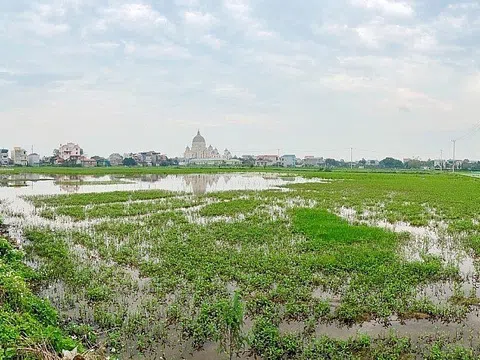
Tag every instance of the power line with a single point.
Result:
(471, 132)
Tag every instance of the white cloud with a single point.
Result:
(232, 91)
(212, 41)
(199, 19)
(465, 6)
(387, 7)
(187, 3)
(378, 33)
(152, 51)
(291, 65)
(416, 99)
(44, 20)
(41, 27)
(347, 83)
(238, 8)
(133, 16)
(241, 11)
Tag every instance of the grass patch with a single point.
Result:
(231, 208)
(26, 321)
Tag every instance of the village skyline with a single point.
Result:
(199, 154)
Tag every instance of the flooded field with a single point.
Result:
(273, 266)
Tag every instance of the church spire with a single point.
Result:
(198, 132)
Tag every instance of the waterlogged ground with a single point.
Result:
(328, 265)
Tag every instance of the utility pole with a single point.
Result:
(351, 158)
(441, 159)
(454, 149)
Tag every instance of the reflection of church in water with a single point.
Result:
(201, 182)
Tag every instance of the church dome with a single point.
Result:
(198, 138)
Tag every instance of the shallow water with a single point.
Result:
(19, 213)
(192, 183)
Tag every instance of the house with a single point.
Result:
(313, 161)
(58, 161)
(33, 160)
(19, 156)
(148, 158)
(4, 161)
(70, 152)
(87, 162)
(101, 161)
(267, 160)
(115, 159)
(288, 161)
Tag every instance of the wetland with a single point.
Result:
(288, 265)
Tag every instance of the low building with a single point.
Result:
(313, 161)
(267, 160)
(33, 160)
(372, 163)
(19, 156)
(288, 161)
(87, 162)
(4, 160)
(116, 159)
(101, 161)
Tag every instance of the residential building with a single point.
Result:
(313, 161)
(101, 161)
(33, 159)
(4, 161)
(19, 156)
(116, 159)
(439, 164)
(267, 160)
(87, 162)
(147, 158)
(70, 152)
(288, 160)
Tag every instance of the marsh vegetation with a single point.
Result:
(356, 265)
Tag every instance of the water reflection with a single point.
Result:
(34, 184)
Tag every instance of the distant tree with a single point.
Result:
(331, 162)
(129, 162)
(363, 162)
(391, 163)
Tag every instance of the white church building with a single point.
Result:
(199, 150)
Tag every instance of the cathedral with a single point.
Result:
(200, 150)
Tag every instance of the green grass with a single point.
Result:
(26, 321)
(231, 208)
(99, 198)
(117, 210)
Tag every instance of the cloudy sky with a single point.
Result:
(317, 77)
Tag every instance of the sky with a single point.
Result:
(309, 77)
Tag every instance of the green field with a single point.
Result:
(273, 274)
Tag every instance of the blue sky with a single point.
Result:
(312, 77)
